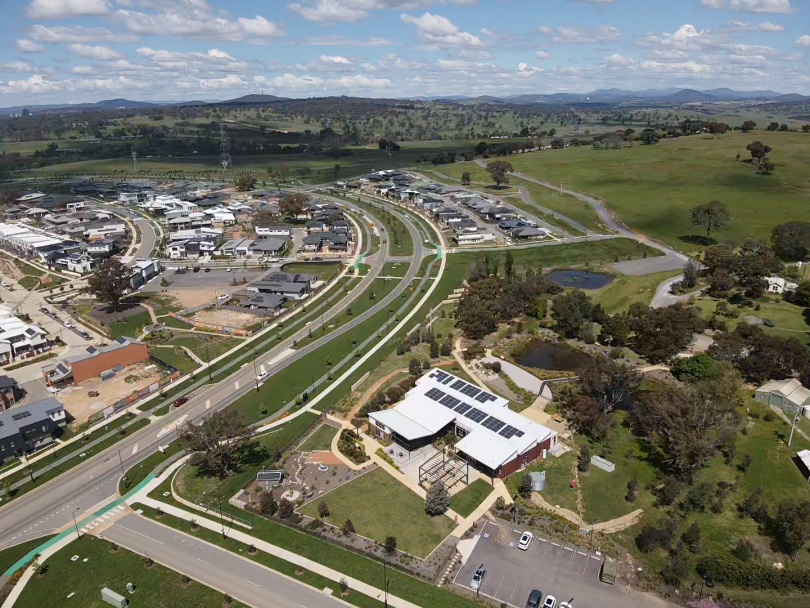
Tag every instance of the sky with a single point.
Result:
(70, 51)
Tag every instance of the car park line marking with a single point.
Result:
(573, 555)
(509, 601)
(499, 585)
(586, 566)
(542, 557)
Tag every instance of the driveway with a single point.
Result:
(566, 571)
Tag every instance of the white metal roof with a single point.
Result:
(400, 424)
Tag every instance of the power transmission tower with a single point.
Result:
(224, 148)
(134, 161)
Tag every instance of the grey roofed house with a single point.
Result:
(527, 233)
(266, 301)
(286, 288)
(298, 277)
(510, 224)
(269, 244)
(25, 427)
(320, 238)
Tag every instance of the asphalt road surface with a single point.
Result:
(45, 509)
(227, 572)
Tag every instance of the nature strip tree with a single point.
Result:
(712, 215)
(217, 442)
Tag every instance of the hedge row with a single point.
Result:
(731, 571)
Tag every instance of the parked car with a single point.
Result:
(207, 270)
(68, 324)
(535, 597)
(229, 269)
(4, 284)
(262, 376)
(180, 401)
(525, 540)
(196, 269)
(86, 336)
(478, 577)
(551, 602)
(565, 605)
(223, 296)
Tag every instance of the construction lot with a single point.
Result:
(553, 567)
(228, 318)
(194, 288)
(132, 378)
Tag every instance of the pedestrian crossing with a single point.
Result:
(104, 520)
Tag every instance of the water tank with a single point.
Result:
(538, 481)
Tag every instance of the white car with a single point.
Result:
(551, 602)
(229, 269)
(4, 284)
(475, 583)
(223, 296)
(262, 376)
(525, 540)
(68, 324)
(565, 605)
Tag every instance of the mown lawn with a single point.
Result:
(10, 555)
(789, 320)
(324, 270)
(619, 294)
(653, 188)
(130, 326)
(319, 440)
(176, 357)
(468, 500)
(157, 587)
(559, 472)
(380, 506)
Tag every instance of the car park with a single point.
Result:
(262, 376)
(525, 541)
(535, 597)
(475, 583)
(551, 602)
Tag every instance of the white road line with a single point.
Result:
(207, 403)
(134, 449)
(236, 385)
(138, 533)
(252, 583)
(203, 561)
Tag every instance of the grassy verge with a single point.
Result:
(130, 326)
(99, 567)
(175, 323)
(176, 357)
(324, 270)
(270, 561)
(138, 473)
(10, 555)
(619, 294)
(468, 500)
(398, 237)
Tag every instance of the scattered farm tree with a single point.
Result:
(791, 241)
(691, 274)
(712, 215)
(437, 499)
(217, 442)
(748, 125)
(465, 178)
(585, 416)
(323, 509)
(758, 150)
(614, 330)
(791, 521)
(498, 171)
(574, 311)
(109, 282)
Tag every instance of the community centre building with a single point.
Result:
(96, 361)
(494, 439)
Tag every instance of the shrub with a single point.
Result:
(769, 417)
(285, 509)
(437, 499)
(323, 509)
(390, 543)
(348, 527)
(525, 488)
(584, 461)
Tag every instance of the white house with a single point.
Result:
(779, 285)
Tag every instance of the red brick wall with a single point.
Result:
(514, 465)
(89, 368)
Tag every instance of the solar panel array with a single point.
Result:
(439, 375)
(493, 424)
(470, 390)
(485, 396)
(458, 385)
(450, 401)
(509, 431)
(476, 415)
(435, 394)
(463, 408)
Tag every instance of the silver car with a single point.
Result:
(478, 577)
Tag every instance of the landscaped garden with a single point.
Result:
(380, 506)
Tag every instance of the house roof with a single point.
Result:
(25, 415)
(7, 382)
(791, 389)
(266, 300)
(95, 351)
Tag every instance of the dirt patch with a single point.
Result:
(228, 318)
(132, 378)
(9, 270)
(323, 458)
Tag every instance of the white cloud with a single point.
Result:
(195, 19)
(76, 33)
(715, 4)
(16, 66)
(328, 63)
(687, 38)
(363, 82)
(35, 84)
(328, 12)
(618, 60)
(214, 60)
(803, 40)
(583, 35)
(231, 81)
(83, 69)
(28, 46)
(99, 53)
(439, 31)
(756, 49)
(542, 55)
(689, 67)
(746, 26)
(668, 55)
(544, 29)
(65, 9)
(761, 6)
(528, 70)
(344, 41)
(291, 82)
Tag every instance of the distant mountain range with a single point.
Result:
(608, 96)
(671, 95)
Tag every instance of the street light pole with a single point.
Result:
(121, 462)
(793, 424)
(255, 371)
(208, 360)
(78, 533)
